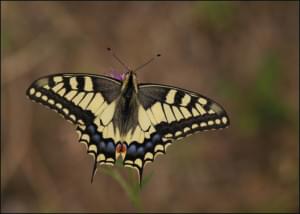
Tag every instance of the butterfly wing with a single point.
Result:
(88, 101)
(167, 114)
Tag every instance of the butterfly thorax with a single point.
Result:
(126, 113)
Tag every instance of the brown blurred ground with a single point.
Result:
(243, 55)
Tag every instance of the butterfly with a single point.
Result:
(120, 118)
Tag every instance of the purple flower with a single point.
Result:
(116, 75)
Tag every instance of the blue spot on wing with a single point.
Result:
(102, 146)
(91, 129)
(131, 152)
(140, 152)
(110, 148)
(96, 138)
(156, 138)
(149, 146)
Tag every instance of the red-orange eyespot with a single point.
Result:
(124, 148)
(121, 148)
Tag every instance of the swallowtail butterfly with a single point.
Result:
(124, 119)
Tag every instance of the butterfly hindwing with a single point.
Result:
(140, 153)
(88, 102)
(173, 113)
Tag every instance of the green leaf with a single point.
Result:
(217, 14)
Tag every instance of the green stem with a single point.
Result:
(130, 190)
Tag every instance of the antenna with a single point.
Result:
(146, 63)
(139, 67)
(117, 58)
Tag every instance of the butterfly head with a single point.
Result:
(129, 74)
(129, 81)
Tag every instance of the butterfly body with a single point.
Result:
(127, 112)
(121, 118)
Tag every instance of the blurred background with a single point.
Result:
(244, 55)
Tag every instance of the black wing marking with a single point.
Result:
(174, 113)
(87, 101)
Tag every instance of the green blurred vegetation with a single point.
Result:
(218, 15)
(130, 184)
(5, 40)
(263, 106)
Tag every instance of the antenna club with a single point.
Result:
(158, 55)
(109, 49)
